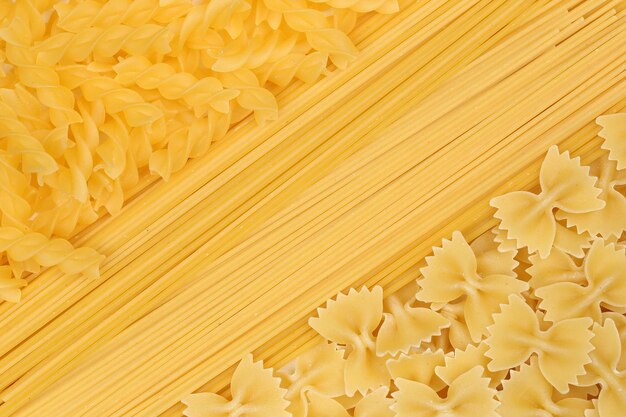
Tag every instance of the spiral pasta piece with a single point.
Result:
(116, 98)
(173, 85)
(34, 158)
(78, 16)
(10, 288)
(252, 96)
(305, 67)
(319, 32)
(562, 349)
(103, 42)
(22, 246)
(364, 6)
(14, 208)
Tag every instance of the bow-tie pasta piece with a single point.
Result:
(603, 370)
(419, 367)
(605, 271)
(527, 393)
(255, 393)
(457, 335)
(610, 220)
(614, 134)
(320, 369)
(469, 395)
(528, 218)
(557, 267)
(505, 244)
(562, 349)
(405, 327)
(350, 321)
(323, 406)
(10, 288)
(375, 404)
(464, 360)
(490, 259)
(451, 275)
(620, 323)
(570, 242)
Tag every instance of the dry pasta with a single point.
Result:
(123, 87)
(276, 199)
(556, 352)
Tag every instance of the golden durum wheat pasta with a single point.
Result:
(312, 208)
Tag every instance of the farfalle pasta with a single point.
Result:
(529, 219)
(451, 275)
(350, 321)
(604, 285)
(468, 395)
(255, 393)
(419, 367)
(614, 133)
(562, 350)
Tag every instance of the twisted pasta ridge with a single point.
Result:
(173, 85)
(319, 32)
(252, 96)
(197, 29)
(45, 80)
(562, 348)
(106, 192)
(34, 158)
(565, 184)
(63, 218)
(184, 141)
(605, 271)
(14, 208)
(22, 246)
(116, 98)
(10, 288)
(320, 369)
(364, 6)
(103, 42)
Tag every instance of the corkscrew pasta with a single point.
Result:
(95, 96)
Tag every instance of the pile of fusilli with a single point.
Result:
(94, 94)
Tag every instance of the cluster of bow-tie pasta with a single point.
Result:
(95, 93)
(527, 320)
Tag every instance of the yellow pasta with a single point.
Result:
(614, 131)
(564, 185)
